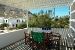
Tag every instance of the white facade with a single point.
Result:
(13, 22)
(1, 20)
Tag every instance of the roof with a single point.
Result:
(31, 4)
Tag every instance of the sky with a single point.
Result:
(59, 11)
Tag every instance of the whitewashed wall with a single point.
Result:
(1, 20)
(14, 21)
(9, 38)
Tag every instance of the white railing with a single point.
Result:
(11, 37)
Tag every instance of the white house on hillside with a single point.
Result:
(13, 22)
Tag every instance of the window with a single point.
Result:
(13, 25)
(16, 25)
(22, 20)
(6, 20)
(17, 20)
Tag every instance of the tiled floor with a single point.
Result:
(20, 45)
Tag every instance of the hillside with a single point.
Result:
(2, 9)
(7, 11)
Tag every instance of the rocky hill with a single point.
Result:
(2, 10)
(7, 11)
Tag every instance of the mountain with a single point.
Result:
(7, 11)
(2, 9)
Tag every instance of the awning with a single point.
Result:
(31, 4)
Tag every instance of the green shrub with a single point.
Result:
(22, 25)
(4, 25)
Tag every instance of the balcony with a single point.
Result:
(15, 40)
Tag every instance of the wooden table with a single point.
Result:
(49, 38)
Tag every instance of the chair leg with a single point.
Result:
(44, 46)
(32, 45)
(58, 45)
(25, 38)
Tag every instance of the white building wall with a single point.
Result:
(14, 21)
(22, 19)
(10, 20)
(13, 24)
(1, 20)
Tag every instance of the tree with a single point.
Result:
(42, 12)
(49, 12)
(46, 20)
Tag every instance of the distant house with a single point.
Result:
(13, 22)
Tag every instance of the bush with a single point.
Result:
(22, 25)
(4, 25)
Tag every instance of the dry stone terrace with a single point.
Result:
(66, 42)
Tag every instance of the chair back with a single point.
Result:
(47, 30)
(37, 36)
